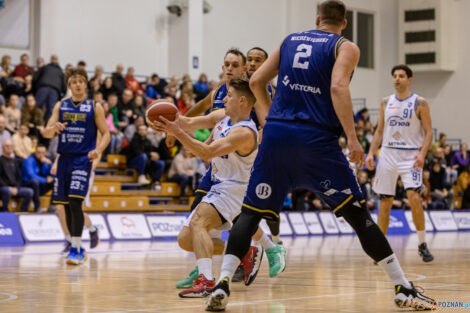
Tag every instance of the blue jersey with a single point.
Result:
(304, 79)
(79, 136)
(219, 95)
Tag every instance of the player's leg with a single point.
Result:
(274, 227)
(205, 218)
(419, 220)
(383, 219)
(274, 252)
(65, 224)
(348, 202)
(92, 229)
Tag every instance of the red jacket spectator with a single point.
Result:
(132, 83)
(23, 69)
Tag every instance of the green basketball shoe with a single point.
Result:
(188, 282)
(277, 259)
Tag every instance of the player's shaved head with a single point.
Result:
(332, 12)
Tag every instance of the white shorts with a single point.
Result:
(227, 198)
(393, 163)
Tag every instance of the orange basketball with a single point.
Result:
(159, 108)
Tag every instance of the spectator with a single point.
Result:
(368, 131)
(6, 66)
(185, 102)
(439, 188)
(23, 144)
(362, 179)
(451, 173)
(22, 69)
(130, 130)
(344, 146)
(426, 192)
(13, 114)
(159, 84)
(125, 107)
(158, 145)
(362, 115)
(4, 134)
(150, 90)
(142, 158)
(362, 138)
(202, 85)
(98, 74)
(116, 137)
(50, 84)
(10, 179)
(131, 82)
(113, 109)
(27, 87)
(400, 201)
(119, 82)
(93, 87)
(81, 65)
(40, 62)
(440, 143)
(463, 187)
(287, 205)
(32, 116)
(171, 93)
(138, 106)
(36, 174)
(2, 99)
(182, 170)
(461, 159)
(107, 88)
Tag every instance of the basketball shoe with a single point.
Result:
(188, 282)
(251, 263)
(424, 252)
(239, 274)
(218, 299)
(202, 288)
(94, 239)
(277, 259)
(412, 298)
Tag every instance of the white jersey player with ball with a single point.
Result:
(405, 131)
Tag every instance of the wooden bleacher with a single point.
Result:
(115, 189)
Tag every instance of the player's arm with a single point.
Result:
(378, 136)
(259, 82)
(202, 106)
(240, 139)
(103, 129)
(190, 124)
(53, 125)
(346, 61)
(424, 114)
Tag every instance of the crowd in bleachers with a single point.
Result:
(27, 97)
(28, 94)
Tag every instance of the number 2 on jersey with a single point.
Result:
(303, 51)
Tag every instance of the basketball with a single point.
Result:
(159, 108)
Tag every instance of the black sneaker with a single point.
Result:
(94, 238)
(239, 274)
(67, 247)
(218, 299)
(424, 252)
(412, 298)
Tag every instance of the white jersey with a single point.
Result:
(233, 167)
(402, 127)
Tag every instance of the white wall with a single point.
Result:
(106, 32)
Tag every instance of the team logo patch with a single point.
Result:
(397, 135)
(285, 81)
(326, 184)
(263, 191)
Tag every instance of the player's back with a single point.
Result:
(303, 89)
(79, 136)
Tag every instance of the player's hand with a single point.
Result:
(356, 153)
(45, 160)
(370, 162)
(169, 127)
(170, 141)
(59, 127)
(49, 179)
(93, 155)
(419, 161)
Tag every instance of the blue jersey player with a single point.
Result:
(76, 121)
(300, 147)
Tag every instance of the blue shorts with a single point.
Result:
(73, 175)
(206, 182)
(299, 155)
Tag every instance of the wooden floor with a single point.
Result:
(323, 274)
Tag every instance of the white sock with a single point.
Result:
(421, 236)
(276, 238)
(76, 242)
(392, 267)
(265, 242)
(229, 266)
(92, 228)
(205, 267)
(68, 238)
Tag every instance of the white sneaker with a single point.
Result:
(218, 299)
(143, 180)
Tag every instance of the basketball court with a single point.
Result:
(323, 274)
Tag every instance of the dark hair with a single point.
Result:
(442, 135)
(403, 67)
(81, 63)
(75, 72)
(260, 49)
(237, 52)
(243, 86)
(41, 146)
(332, 12)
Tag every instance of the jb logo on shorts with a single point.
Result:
(263, 191)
